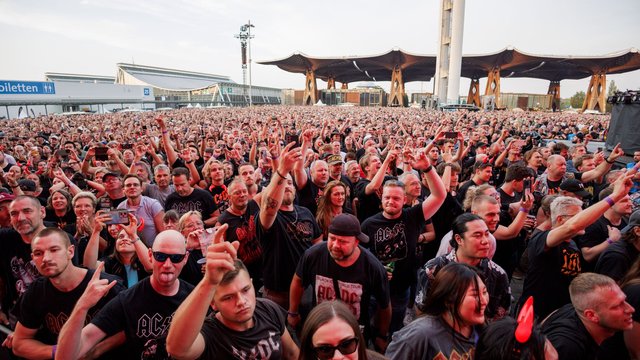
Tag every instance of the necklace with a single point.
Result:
(295, 211)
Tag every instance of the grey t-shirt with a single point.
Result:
(154, 191)
(428, 338)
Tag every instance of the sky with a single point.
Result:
(92, 36)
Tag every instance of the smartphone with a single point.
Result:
(118, 217)
(127, 146)
(101, 153)
(288, 138)
(451, 135)
(527, 186)
(144, 127)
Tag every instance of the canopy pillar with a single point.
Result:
(554, 89)
(331, 83)
(595, 97)
(396, 95)
(310, 89)
(344, 86)
(474, 93)
(493, 86)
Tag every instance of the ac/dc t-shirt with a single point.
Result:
(198, 200)
(550, 272)
(394, 240)
(49, 316)
(284, 243)
(144, 315)
(262, 341)
(243, 228)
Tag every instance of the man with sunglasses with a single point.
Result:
(243, 327)
(140, 315)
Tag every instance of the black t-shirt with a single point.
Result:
(49, 316)
(144, 315)
(63, 222)
(569, 336)
(18, 270)
(506, 248)
(106, 203)
(243, 229)
(309, 196)
(284, 243)
(595, 234)
(192, 271)
(550, 272)
(356, 284)
(617, 259)
(113, 266)
(220, 197)
(442, 220)
(394, 240)
(262, 341)
(198, 200)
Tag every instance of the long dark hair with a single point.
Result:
(449, 289)
(498, 342)
(322, 314)
(633, 275)
(324, 215)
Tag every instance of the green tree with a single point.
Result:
(578, 99)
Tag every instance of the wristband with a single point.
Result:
(274, 157)
(164, 132)
(609, 241)
(189, 162)
(524, 210)
(609, 200)
(293, 314)
(609, 162)
(278, 172)
(53, 351)
(429, 168)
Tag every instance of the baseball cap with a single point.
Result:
(481, 144)
(6, 197)
(634, 220)
(347, 225)
(27, 185)
(334, 159)
(576, 187)
(104, 177)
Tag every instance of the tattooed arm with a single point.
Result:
(274, 193)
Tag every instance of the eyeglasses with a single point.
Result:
(162, 257)
(346, 347)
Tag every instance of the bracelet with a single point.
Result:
(282, 176)
(609, 241)
(524, 210)
(429, 168)
(609, 162)
(189, 162)
(275, 157)
(609, 200)
(14, 186)
(53, 351)
(293, 314)
(164, 132)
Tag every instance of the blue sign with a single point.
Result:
(26, 87)
(147, 92)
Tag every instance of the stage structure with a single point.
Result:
(449, 60)
(400, 67)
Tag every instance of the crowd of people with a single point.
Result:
(318, 233)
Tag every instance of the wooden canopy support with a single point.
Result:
(493, 86)
(345, 86)
(554, 90)
(595, 97)
(310, 89)
(474, 93)
(331, 83)
(396, 95)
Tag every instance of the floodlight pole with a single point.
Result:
(245, 40)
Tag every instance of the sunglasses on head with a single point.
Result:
(162, 257)
(346, 347)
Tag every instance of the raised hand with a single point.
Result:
(96, 289)
(221, 256)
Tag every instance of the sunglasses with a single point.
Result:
(162, 257)
(346, 347)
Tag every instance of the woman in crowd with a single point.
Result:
(498, 342)
(130, 257)
(331, 204)
(454, 308)
(59, 209)
(331, 331)
(191, 227)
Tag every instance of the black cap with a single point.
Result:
(576, 187)
(347, 225)
(634, 220)
(27, 185)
